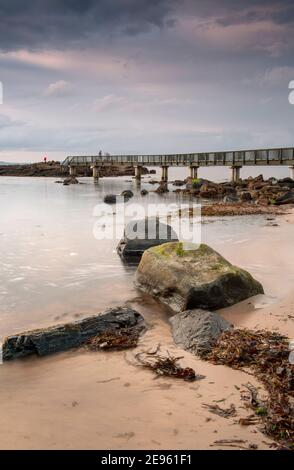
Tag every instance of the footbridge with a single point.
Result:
(232, 159)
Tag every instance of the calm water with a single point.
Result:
(52, 268)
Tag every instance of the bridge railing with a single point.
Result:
(241, 157)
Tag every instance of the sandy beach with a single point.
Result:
(102, 400)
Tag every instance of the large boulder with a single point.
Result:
(197, 277)
(139, 235)
(57, 338)
(197, 330)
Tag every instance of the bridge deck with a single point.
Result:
(273, 156)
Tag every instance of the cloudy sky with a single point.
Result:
(144, 76)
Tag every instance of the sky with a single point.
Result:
(144, 76)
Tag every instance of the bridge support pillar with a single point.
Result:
(291, 168)
(96, 173)
(164, 174)
(236, 173)
(73, 170)
(138, 172)
(194, 172)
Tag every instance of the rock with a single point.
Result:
(71, 335)
(178, 183)
(209, 190)
(144, 192)
(286, 198)
(136, 240)
(70, 180)
(162, 188)
(197, 330)
(228, 189)
(231, 198)
(110, 199)
(286, 182)
(245, 196)
(195, 183)
(127, 194)
(193, 278)
(152, 172)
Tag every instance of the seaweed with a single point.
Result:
(115, 340)
(166, 365)
(267, 355)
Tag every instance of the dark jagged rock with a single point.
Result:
(144, 192)
(110, 199)
(185, 276)
(286, 198)
(71, 335)
(286, 182)
(197, 330)
(142, 234)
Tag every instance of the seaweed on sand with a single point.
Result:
(116, 340)
(267, 355)
(166, 365)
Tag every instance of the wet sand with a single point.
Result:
(101, 400)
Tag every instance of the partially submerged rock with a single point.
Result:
(195, 277)
(70, 180)
(57, 338)
(142, 234)
(162, 188)
(197, 330)
(110, 199)
(127, 194)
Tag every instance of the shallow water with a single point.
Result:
(52, 268)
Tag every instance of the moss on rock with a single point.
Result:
(187, 276)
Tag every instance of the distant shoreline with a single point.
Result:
(55, 169)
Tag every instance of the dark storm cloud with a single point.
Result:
(39, 24)
(57, 23)
(251, 11)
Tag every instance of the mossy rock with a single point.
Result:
(187, 276)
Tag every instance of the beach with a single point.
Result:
(103, 400)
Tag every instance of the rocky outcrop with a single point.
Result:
(197, 330)
(55, 169)
(191, 278)
(139, 235)
(251, 190)
(71, 335)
